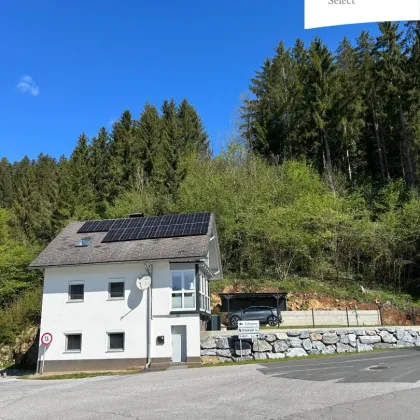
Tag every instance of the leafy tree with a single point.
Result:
(15, 278)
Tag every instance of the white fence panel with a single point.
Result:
(331, 318)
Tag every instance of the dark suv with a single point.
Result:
(264, 314)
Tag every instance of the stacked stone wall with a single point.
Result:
(278, 345)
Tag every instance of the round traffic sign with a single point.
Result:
(46, 339)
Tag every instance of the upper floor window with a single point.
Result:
(204, 294)
(183, 289)
(116, 289)
(76, 292)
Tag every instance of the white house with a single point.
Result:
(93, 305)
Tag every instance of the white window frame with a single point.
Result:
(184, 291)
(84, 242)
(109, 288)
(108, 341)
(204, 293)
(75, 283)
(66, 335)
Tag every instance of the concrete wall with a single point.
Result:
(301, 343)
(328, 318)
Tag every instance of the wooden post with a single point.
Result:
(313, 318)
(380, 314)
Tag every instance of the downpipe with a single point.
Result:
(149, 270)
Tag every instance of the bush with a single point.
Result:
(23, 312)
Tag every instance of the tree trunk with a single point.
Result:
(378, 143)
(328, 160)
(411, 170)
(348, 164)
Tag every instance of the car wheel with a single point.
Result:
(234, 321)
(272, 320)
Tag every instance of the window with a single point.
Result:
(116, 341)
(76, 292)
(183, 289)
(204, 294)
(83, 242)
(116, 290)
(74, 342)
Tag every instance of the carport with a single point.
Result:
(241, 301)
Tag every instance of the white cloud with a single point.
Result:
(28, 85)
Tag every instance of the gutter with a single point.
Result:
(174, 259)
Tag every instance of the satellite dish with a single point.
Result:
(143, 283)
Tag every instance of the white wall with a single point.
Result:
(97, 314)
(162, 318)
(162, 326)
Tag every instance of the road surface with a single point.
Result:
(365, 386)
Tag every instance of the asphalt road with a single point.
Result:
(358, 387)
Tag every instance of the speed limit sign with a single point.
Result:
(46, 339)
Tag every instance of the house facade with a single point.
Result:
(101, 313)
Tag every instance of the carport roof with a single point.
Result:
(252, 295)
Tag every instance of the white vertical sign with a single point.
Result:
(321, 13)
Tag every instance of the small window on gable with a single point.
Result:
(84, 242)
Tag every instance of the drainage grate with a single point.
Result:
(380, 367)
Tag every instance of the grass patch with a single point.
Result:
(77, 375)
(5, 366)
(291, 359)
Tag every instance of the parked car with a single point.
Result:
(264, 314)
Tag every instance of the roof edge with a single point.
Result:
(192, 258)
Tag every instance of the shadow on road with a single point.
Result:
(393, 366)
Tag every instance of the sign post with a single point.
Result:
(46, 340)
(248, 330)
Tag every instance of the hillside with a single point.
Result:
(304, 294)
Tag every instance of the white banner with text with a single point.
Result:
(321, 13)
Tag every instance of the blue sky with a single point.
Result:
(72, 67)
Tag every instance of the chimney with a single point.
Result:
(136, 215)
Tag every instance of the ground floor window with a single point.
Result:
(74, 342)
(116, 341)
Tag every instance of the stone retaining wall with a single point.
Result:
(218, 349)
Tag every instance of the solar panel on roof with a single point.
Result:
(110, 236)
(85, 228)
(149, 227)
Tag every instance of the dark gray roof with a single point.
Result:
(63, 252)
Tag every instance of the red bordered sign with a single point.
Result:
(46, 339)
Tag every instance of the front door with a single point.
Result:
(179, 344)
